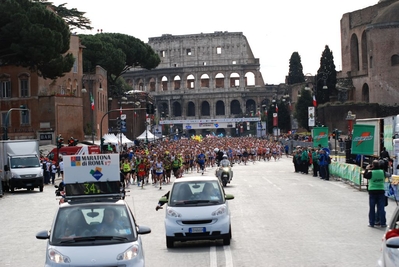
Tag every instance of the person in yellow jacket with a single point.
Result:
(126, 168)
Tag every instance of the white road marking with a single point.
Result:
(213, 257)
(229, 257)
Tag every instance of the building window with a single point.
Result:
(188, 52)
(163, 53)
(5, 89)
(75, 66)
(25, 118)
(24, 86)
(218, 50)
(395, 60)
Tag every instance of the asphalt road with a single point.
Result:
(279, 218)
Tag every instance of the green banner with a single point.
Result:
(320, 136)
(363, 139)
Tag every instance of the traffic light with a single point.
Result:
(60, 142)
(118, 123)
(123, 125)
(150, 108)
(333, 135)
(337, 133)
(23, 109)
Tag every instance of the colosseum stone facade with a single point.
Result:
(205, 77)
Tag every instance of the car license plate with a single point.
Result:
(224, 175)
(197, 230)
(28, 184)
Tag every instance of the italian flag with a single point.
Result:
(314, 101)
(92, 101)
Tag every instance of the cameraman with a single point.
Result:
(376, 178)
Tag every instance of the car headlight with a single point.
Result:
(14, 175)
(129, 254)
(57, 257)
(226, 169)
(220, 211)
(172, 213)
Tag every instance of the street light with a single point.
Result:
(314, 83)
(91, 101)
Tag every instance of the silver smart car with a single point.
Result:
(94, 233)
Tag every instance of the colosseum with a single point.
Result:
(206, 83)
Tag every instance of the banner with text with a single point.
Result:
(363, 139)
(320, 136)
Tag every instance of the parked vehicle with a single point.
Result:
(20, 165)
(73, 150)
(390, 242)
(197, 210)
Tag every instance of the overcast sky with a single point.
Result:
(274, 29)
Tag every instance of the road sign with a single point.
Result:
(123, 116)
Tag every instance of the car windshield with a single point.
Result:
(196, 193)
(98, 223)
(25, 162)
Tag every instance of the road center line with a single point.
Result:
(212, 257)
(229, 257)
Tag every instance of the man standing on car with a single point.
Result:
(376, 189)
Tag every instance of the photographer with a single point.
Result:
(376, 178)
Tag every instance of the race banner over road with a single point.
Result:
(320, 136)
(363, 139)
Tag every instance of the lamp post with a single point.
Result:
(314, 83)
(89, 79)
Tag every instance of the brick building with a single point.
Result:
(370, 54)
(54, 106)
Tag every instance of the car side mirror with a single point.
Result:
(228, 196)
(6, 168)
(163, 200)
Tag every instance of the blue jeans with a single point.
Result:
(379, 200)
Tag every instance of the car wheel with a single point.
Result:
(227, 238)
(41, 188)
(11, 188)
(224, 183)
(170, 243)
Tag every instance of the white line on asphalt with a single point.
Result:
(212, 257)
(229, 257)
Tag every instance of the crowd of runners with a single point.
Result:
(156, 163)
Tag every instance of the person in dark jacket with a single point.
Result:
(376, 178)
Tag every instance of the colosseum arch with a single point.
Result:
(219, 80)
(164, 83)
(176, 82)
(204, 80)
(220, 109)
(129, 82)
(249, 79)
(163, 110)
(234, 79)
(235, 107)
(139, 84)
(151, 84)
(176, 109)
(190, 109)
(364, 51)
(354, 52)
(190, 82)
(251, 107)
(365, 93)
(205, 109)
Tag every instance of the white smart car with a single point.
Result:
(197, 210)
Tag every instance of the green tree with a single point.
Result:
(301, 108)
(33, 37)
(116, 53)
(326, 75)
(73, 17)
(295, 74)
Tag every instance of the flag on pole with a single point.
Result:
(314, 101)
(276, 108)
(135, 114)
(289, 105)
(120, 110)
(92, 101)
